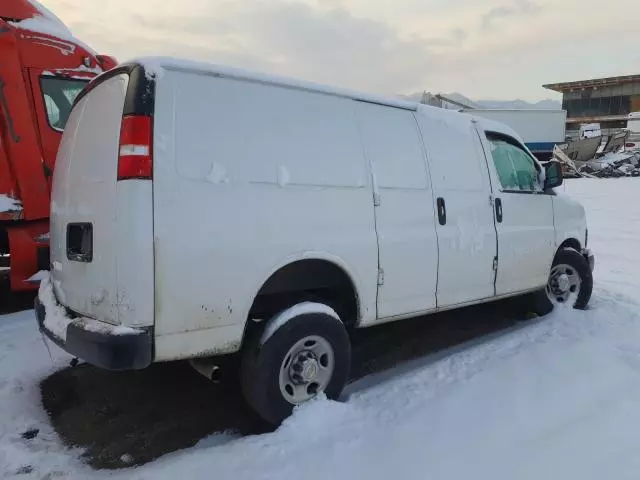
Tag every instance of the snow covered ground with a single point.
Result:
(556, 399)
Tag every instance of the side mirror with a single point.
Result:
(553, 175)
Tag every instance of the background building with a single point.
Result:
(607, 101)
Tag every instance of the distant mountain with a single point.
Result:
(458, 97)
(498, 104)
(521, 104)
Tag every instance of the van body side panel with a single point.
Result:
(248, 178)
(467, 236)
(526, 237)
(134, 239)
(569, 220)
(197, 344)
(408, 249)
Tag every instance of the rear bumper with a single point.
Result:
(588, 256)
(103, 349)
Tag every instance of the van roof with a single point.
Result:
(497, 127)
(154, 67)
(464, 118)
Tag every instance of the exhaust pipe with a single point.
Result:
(207, 368)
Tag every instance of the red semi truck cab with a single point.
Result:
(43, 69)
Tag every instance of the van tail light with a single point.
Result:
(135, 157)
(630, 145)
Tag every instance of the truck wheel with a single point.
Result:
(307, 355)
(570, 280)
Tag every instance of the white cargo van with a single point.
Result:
(200, 211)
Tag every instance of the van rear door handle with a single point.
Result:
(499, 210)
(442, 211)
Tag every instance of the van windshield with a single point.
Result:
(59, 94)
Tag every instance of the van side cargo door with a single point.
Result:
(461, 189)
(407, 244)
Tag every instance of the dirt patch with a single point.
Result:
(130, 418)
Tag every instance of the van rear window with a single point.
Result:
(59, 94)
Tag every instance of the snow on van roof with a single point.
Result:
(497, 127)
(155, 66)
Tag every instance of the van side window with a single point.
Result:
(516, 169)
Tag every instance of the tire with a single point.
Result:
(573, 259)
(538, 304)
(262, 364)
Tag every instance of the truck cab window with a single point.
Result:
(516, 168)
(59, 94)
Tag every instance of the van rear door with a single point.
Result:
(102, 222)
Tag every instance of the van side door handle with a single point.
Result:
(442, 211)
(498, 210)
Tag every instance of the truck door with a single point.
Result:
(524, 216)
(461, 189)
(404, 213)
(53, 97)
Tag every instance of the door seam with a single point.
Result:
(373, 180)
(425, 156)
(493, 210)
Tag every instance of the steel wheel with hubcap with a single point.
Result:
(306, 369)
(563, 285)
(570, 281)
(310, 353)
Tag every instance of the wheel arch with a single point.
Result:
(308, 277)
(569, 243)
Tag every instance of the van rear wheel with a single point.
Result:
(307, 355)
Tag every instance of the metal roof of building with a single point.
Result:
(596, 82)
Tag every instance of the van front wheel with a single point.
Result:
(570, 280)
(307, 355)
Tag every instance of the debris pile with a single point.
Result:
(598, 157)
(626, 164)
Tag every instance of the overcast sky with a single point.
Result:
(484, 49)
